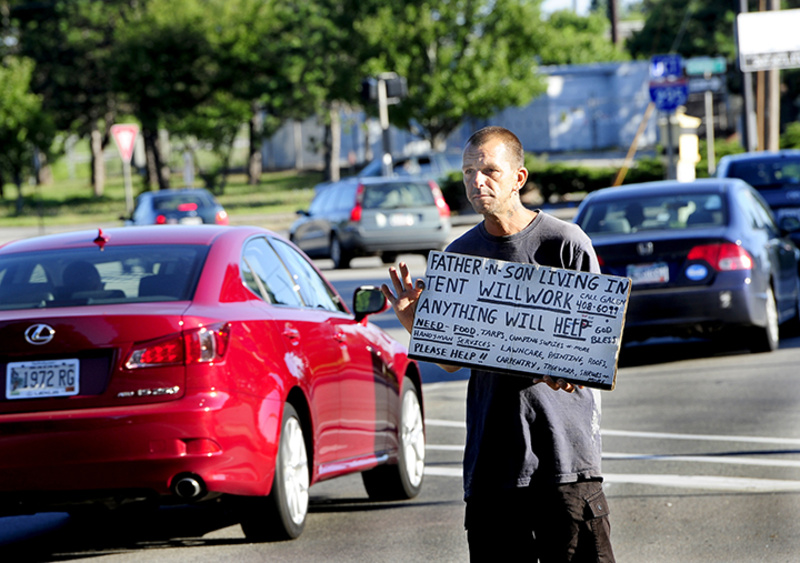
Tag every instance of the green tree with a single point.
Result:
(574, 39)
(686, 27)
(25, 129)
(213, 125)
(71, 43)
(461, 59)
(165, 66)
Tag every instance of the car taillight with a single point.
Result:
(201, 345)
(221, 217)
(355, 214)
(723, 257)
(161, 219)
(441, 204)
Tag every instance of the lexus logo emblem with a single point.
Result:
(39, 334)
(644, 248)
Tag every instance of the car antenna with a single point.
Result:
(101, 239)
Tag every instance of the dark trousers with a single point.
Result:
(549, 524)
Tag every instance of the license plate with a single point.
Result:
(42, 378)
(191, 221)
(401, 220)
(648, 273)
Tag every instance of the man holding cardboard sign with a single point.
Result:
(532, 479)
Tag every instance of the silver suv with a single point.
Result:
(373, 216)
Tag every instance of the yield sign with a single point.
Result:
(125, 136)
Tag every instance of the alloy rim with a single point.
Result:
(413, 439)
(295, 471)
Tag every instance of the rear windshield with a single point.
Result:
(768, 173)
(88, 276)
(397, 195)
(182, 202)
(668, 212)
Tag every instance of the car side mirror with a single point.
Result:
(368, 300)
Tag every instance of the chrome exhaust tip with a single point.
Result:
(188, 487)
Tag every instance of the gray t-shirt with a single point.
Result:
(519, 433)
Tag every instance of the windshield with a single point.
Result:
(86, 276)
(667, 212)
(767, 173)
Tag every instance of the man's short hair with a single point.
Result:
(512, 144)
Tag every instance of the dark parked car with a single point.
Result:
(776, 176)
(227, 368)
(187, 206)
(373, 216)
(705, 258)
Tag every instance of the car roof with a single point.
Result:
(155, 234)
(762, 155)
(663, 187)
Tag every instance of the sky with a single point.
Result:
(581, 6)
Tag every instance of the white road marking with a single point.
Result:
(741, 484)
(707, 482)
(656, 435)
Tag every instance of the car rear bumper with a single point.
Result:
(394, 240)
(142, 448)
(693, 311)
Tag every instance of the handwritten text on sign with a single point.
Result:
(521, 318)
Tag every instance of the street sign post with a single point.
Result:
(125, 137)
(669, 89)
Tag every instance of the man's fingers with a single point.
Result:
(388, 294)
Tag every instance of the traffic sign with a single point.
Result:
(667, 96)
(125, 137)
(700, 66)
(664, 67)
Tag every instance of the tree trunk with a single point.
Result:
(254, 163)
(333, 144)
(154, 176)
(98, 162)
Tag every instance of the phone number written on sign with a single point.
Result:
(522, 319)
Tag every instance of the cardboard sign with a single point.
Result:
(521, 319)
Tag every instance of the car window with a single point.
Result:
(84, 277)
(667, 212)
(759, 216)
(397, 195)
(181, 202)
(321, 202)
(766, 173)
(315, 292)
(265, 274)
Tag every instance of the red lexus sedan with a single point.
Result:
(176, 364)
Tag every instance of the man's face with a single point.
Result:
(490, 179)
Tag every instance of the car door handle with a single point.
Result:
(291, 333)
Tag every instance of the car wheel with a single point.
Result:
(341, 258)
(403, 480)
(282, 515)
(766, 338)
(389, 257)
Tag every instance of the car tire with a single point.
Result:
(282, 514)
(341, 258)
(403, 480)
(767, 338)
(389, 257)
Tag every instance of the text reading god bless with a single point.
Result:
(521, 319)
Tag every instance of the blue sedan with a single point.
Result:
(705, 258)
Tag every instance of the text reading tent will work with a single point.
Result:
(521, 319)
